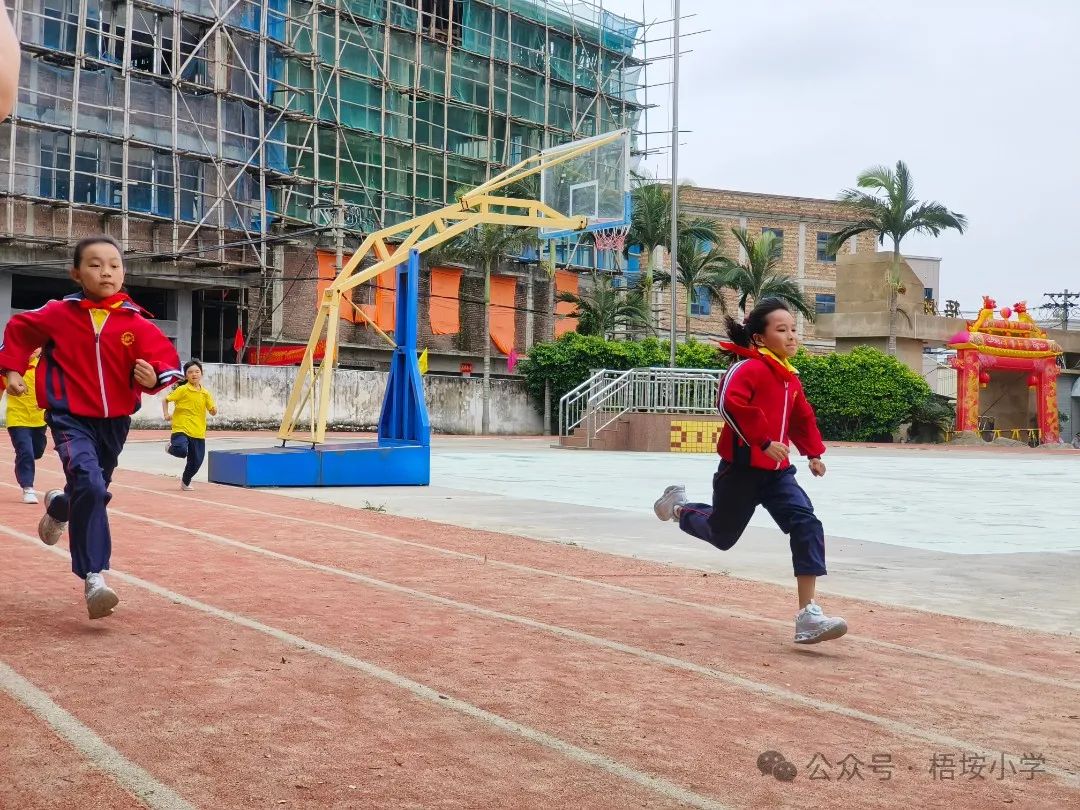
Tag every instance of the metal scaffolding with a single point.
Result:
(203, 133)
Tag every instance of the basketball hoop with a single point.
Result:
(613, 239)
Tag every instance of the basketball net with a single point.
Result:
(611, 238)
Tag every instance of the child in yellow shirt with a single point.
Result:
(192, 403)
(26, 427)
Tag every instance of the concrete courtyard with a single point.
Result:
(984, 534)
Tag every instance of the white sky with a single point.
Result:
(980, 98)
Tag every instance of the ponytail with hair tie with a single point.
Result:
(742, 334)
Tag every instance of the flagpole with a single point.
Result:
(674, 252)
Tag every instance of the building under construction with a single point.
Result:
(236, 148)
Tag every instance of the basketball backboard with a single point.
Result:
(595, 184)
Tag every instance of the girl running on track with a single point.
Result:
(765, 411)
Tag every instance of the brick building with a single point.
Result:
(450, 309)
(802, 224)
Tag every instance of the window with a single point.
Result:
(60, 25)
(823, 254)
(150, 182)
(701, 301)
(55, 165)
(928, 293)
(778, 233)
(824, 303)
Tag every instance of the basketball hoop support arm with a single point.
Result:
(314, 383)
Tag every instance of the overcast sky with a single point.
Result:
(980, 98)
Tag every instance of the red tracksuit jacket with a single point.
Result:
(763, 402)
(84, 371)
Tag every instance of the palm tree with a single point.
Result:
(759, 276)
(603, 308)
(650, 224)
(894, 216)
(699, 269)
(485, 246)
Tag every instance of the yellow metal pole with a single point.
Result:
(326, 370)
(303, 375)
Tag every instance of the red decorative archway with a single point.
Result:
(1001, 344)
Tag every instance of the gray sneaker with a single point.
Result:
(50, 529)
(812, 626)
(100, 598)
(673, 496)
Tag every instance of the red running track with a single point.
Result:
(274, 652)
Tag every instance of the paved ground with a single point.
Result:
(992, 535)
(271, 652)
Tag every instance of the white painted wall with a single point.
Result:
(255, 396)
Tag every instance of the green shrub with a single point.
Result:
(861, 396)
(932, 419)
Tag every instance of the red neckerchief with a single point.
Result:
(752, 353)
(114, 301)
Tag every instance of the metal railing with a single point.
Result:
(608, 395)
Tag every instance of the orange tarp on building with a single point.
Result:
(385, 299)
(443, 309)
(503, 291)
(565, 282)
(326, 277)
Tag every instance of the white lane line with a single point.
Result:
(769, 691)
(954, 660)
(100, 754)
(656, 784)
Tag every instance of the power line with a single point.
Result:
(1062, 301)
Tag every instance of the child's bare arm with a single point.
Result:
(9, 64)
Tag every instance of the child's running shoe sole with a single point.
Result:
(100, 602)
(828, 634)
(50, 530)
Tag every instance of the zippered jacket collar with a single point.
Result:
(118, 301)
(783, 370)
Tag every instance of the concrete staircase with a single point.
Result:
(615, 436)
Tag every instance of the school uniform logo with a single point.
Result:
(128, 338)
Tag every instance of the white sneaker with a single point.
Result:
(186, 487)
(50, 529)
(100, 598)
(673, 496)
(812, 626)
(29, 496)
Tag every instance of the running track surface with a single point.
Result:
(273, 652)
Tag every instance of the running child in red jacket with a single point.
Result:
(765, 411)
(99, 355)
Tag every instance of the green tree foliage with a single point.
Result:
(932, 419)
(760, 276)
(601, 308)
(861, 396)
(886, 205)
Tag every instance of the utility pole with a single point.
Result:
(1062, 300)
(674, 252)
(339, 237)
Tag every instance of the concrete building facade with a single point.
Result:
(803, 225)
(231, 146)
